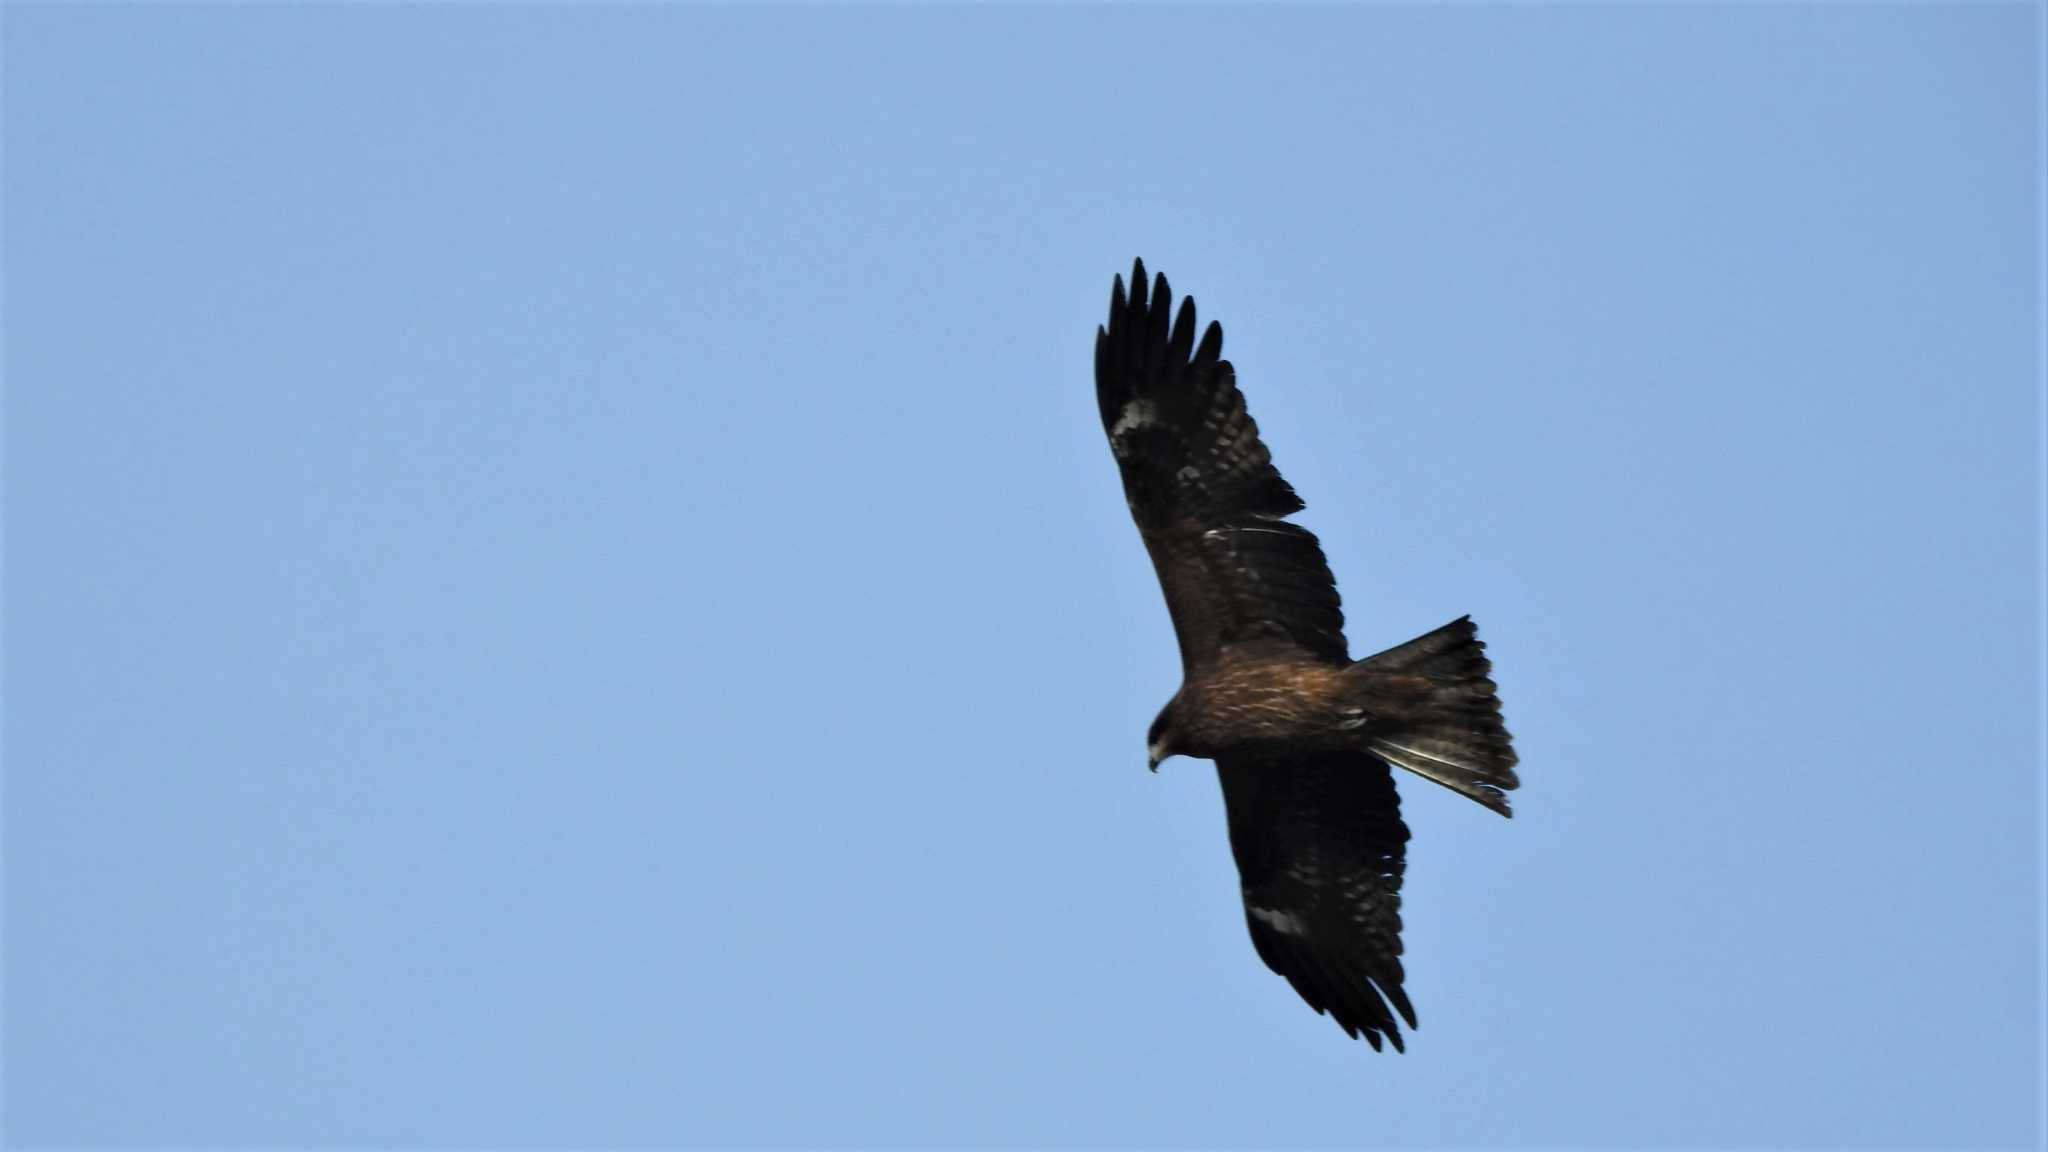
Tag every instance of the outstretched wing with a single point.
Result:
(1320, 848)
(1202, 486)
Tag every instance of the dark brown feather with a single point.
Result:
(1202, 486)
(1435, 712)
(1320, 849)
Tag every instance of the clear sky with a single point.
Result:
(564, 585)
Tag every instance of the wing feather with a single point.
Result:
(1202, 486)
(1320, 849)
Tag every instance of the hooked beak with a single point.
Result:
(1152, 762)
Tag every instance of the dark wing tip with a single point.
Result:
(1181, 344)
(1212, 344)
(1399, 996)
(1142, 322)
(1356, 997)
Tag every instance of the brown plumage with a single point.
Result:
(1302, 735)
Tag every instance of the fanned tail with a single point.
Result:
(1429, 706)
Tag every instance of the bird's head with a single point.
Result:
(1159, 740)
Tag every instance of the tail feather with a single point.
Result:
(1433, 711)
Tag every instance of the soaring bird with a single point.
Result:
(1302, 735)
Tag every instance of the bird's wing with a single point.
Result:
(1320, 848)
(1203, 488)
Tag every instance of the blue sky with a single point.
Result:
(563, 585)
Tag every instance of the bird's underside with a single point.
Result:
(1303, 736)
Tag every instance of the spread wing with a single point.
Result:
(1203, 488)
(1320, 847)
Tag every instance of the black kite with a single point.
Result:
(1302, 735)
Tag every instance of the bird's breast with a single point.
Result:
(1250, 701)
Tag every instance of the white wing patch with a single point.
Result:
(1136, 414)
(1286, 923)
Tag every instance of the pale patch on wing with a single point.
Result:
(1135, 415)
(1286, 923)
(1218, 533)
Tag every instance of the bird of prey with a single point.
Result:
(1302, 735)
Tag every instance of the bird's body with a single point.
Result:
(1301, 734)
(1258, 696)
